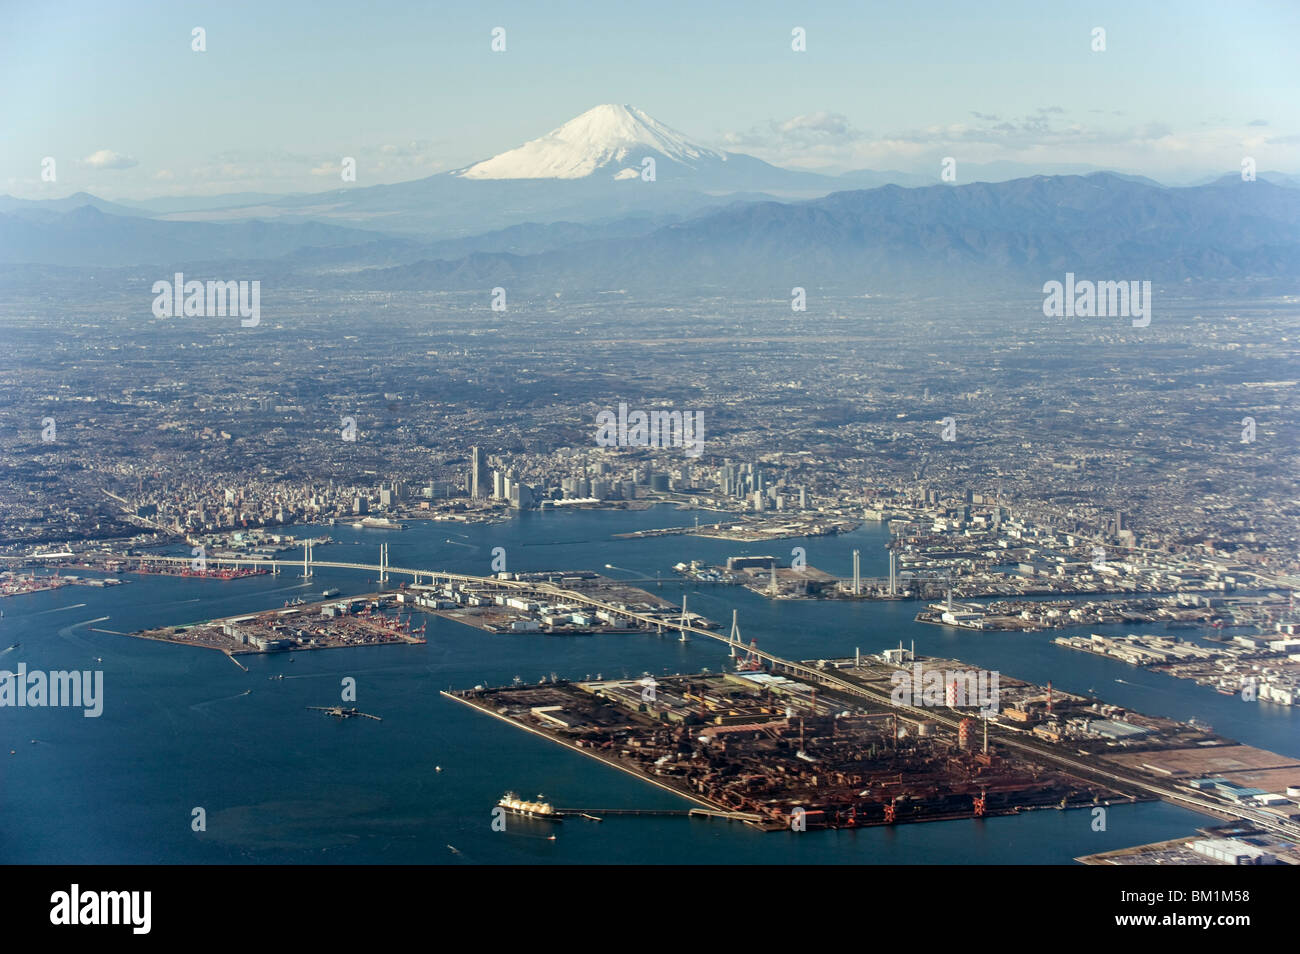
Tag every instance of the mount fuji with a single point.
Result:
(587, 170)
(608, 140)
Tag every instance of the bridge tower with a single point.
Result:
(306, 560)
(734, 640)
(683, 626)
(857, 572)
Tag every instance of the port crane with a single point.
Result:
(752, 661)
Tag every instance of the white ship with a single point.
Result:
(377, 523)
(538, 809)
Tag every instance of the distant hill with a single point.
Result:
(87, 236)
(1026, 230)
(45, 209)
(937, 238)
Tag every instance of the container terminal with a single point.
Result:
(370, 620)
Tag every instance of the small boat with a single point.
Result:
(329, 593)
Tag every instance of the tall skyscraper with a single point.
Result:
(478, 473)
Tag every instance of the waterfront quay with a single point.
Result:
(355, 621)
(15, 584)
(1263, 668)
(527, 603)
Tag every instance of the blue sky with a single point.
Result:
(115, 94)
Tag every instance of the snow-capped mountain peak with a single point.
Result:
(609, 139)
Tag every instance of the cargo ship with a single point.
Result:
(329, 593)
(538, 809)
(377, 523)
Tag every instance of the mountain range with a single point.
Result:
(577, 209)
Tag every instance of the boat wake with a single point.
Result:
(60, 609)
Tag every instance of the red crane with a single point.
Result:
(751, 662)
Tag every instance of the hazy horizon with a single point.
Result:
(130, 111)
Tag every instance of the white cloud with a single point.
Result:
(829, 142)
(108, 159)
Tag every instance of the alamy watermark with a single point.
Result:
(195, 299)
(36, 689)
(1088, 299)
(75, 906)
(956, 689)
(683, 429)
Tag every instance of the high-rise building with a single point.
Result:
(478, 473)
(521, 496)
